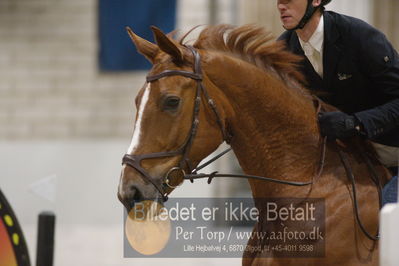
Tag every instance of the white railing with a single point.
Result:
(389, 226)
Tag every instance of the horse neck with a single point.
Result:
(274, 127)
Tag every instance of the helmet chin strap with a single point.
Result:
(310, 10)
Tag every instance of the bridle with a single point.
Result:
(134, 161)
(184, 150)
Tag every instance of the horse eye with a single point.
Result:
(171, 103)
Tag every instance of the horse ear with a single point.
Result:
(167, 45)
(146, 48)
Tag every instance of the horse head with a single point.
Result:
(168, 139)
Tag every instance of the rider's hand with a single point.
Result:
(338, 125)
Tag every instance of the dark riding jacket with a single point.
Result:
(361, 74)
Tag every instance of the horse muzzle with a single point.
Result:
(134, 188)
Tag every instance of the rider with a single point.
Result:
(351, 65)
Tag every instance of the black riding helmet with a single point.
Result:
(310, 10)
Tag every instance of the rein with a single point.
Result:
(134, 161)
(351, 178)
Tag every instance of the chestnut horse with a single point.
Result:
(257, 102)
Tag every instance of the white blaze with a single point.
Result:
(137, 127)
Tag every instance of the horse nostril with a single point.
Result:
(136, 195)
(132, 196)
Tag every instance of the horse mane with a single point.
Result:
(254, 45)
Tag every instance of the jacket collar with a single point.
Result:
(331, 50)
